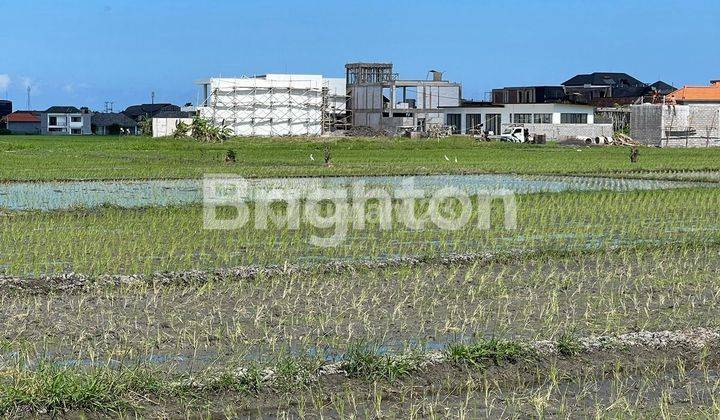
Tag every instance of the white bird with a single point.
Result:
(447, 158)
(311, 157)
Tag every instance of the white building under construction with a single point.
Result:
(275, 104)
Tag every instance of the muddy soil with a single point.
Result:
(678, 381)
(194, 325)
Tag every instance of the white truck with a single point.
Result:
(514, 134)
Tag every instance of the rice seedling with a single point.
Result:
(141, 311)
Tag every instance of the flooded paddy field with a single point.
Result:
(602, 299)
(129, 193)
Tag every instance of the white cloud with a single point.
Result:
(4, 81)
(69, 88)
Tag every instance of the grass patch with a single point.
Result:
(365, 361)
(100, 157)
(50, 389)
(568, 345)
(486, 352)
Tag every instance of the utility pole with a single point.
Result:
(109, 106)
(152, 97)
(28, 97)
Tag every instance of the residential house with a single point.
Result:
(529, 95)
(65, 120)
(22, 122)
(113, 123)
(556, 120)
(604, 89)
(138, 112)
(696, 94)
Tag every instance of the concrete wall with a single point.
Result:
(163, 127)
(23, 128)
(676, 125)
(430, 97)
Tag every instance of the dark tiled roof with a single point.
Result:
(663, 88)
(106, 119)
(136, 111)
(63, 110)
(603, 79)
(173, 114)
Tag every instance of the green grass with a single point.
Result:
(367, 361)
(492, 351)
(568, 345)
(54, 157)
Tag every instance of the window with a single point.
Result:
(52, 121)
(76, 131)
(453, 120)
(522, 118)
(493, 122)
(542, 118)
(56, 130)
(473, 123)
(573, 118)
(76, 119)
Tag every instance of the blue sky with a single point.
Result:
(92, 51)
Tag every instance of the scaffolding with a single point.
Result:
(275, 105)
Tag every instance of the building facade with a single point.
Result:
(112, 123)
(65, 120)
(22, 122)
(380, 100)
(555, 120)
(274, 104)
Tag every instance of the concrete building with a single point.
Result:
(65, 120)
(555, 120)
(275, 104)
(22, 122)
(380, 100)
(671, 125)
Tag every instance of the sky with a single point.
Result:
(87, 52)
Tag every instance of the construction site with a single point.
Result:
(275, 104)
(373, 100)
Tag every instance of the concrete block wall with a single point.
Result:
(676, 125)
(646, 124)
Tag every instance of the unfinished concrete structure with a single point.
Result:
(671, 125)
(380, 100)
(275, 104)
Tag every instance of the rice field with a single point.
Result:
(600, 299)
